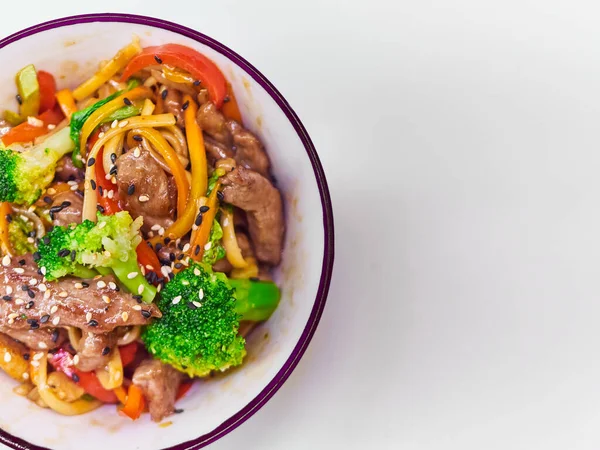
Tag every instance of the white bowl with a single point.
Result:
(71, 48)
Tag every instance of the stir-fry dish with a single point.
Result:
(139, 224)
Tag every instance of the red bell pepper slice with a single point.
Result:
(185, 58)
(47, 90)
(183, 389)
(128, 353)
(27, 133)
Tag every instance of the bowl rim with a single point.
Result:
(328, 254)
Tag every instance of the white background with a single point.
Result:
(461, 142)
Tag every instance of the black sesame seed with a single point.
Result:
(54, 336)
(164, 93)
(93, 323)
(31, 234)
(7, 298)
(93, 184)
(44, 318)
(254, 279)
(148, 277)
(100, 191)
(26, 356)
(138, 138)
(85, 284)
(65, 204)
(180, 257)
(191, 305)
(100, 208)
(31, 295)
(180, 245)
(185, 105)
(8, 218)
(113, 170)
(39, 272)
(157, 59)
(178, 265)
(198, 220)
(220, 196)
(171, 276)
(79, 192)
(22, 262)
(127, 101)
(196, 82)
(105, 351)
(131, 189)
(34, 325)
(117, 288)
(146, 313)
(167, 240)
(73, 255)
(25, 287)
(75, 378)
(171, 256)
(91, 162)
(137, 297)
(64, 252)
(71, 178)
(158, 246)
(113, 157)
(204, 209)
(226, 99)
(178, 411)
(197, 250)
(47, 200)
(37, 256)
(19, 99)
(46, 240)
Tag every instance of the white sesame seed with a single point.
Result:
(137, 307)
(88, 317)
(150, 234)
(161, 232)
(114, 124)
(42, 345)
(6, 260)
(137, 152)
(101, 135)
(112, 285)
(43, 270)
(35, 363)
(19, 270)
(126, 336)
(11, 321)
(74, 188)
(177, 299)
(101, 284)
(186, 247)
(63, 294)
(53, 309)
(19, 301)
(125, 316)
(108, 176)
(51, 126)
(55, 320)
(51, 191)
(30, 240)
(72, 183)
(106, 299)
(7, 357)
(123, 124)
(101, 224)
(194, 227)
(140, 289)
(165, 270)
(38, 356)
(197, 304)
(132, 275)
(33, 282)
(185, 282)
(76, 359)
(197, 272)
(208, 246)
(113, 179)
(78, 286)
(9, 290)
(35, 122)
(226, 221)
(143, 198)
(12, 315)
(42, 287)
(47, 295)
(149, 267)
(110, 194)
(143, 270)
(155, 227)
(25, 376)
(159, 288)
(201, 294)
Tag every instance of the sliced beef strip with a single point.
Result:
(66, 170)
(69, 206)
(46, 338)
(249, 151)
(159, 383)
(256, 195)
(216, 150)
(107, 307)
(212, 121)
(150, 181)
(172, 104)
(92, 354)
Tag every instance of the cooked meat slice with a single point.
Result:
(47, 338)
(256, 195)
(5, 127)
(212, 121)
(249, 152)
(68, 206)
(222, 265)
(172, 104)
(93, 354)
(150, 198)
(159, 383)
(216, 150)
(66, 170)
(244, 244)
(95, 309)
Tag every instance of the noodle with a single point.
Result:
(115, 145)
(130, 336)
(40, 229)
(111, 377)
(75, 336)
(186, 89)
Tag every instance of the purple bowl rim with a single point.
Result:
(328, 253)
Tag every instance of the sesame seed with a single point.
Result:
(33, 282)
(164, 93)
(42, 345)
(11, 321)
(13, 315)
(176, 299)
(19, 301)
(51, 191)
(132, 275)
(146, 314)
(74, 188)
(93, 323)
(143, 198)
(197, 250)
(31, 294)
(204, 209)
(43, 270)
(197, 304)
(201, 294)
(19, 270)
(127, 101)
(7, 357)
(6, 260)
(111, 194)
(125, 316)
(112, 285)
(101, 135)
(226, 221)
(72, 183)
(220, 196)
(155, 227)
(35, 363)
(157, 59)
(63, 294)
(75, 378)
(114, 123)
(9, 290)
(197, 272)
(35, 122)
(38, 356)
(198, 220)
(7, 298)
(53, 309)
(88, 317)
(56, 320)
(137, 152)
(185, 105)
(131, 189)
(140, 289)
(123, 124)
(208, 246)
(106, 299)
(45, 318)
(76, 359)
(91, 162)
(47, 295)
(78, 286)
(25, 376)
(101, 284)
(105, 351)
(51, 126)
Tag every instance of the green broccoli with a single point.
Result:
(198, 331)
(108, 244)
(23, 175)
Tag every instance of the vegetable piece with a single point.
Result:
(90, 197)
(198, 332)
(24, 175)
(14, 364)
(111, 376)
(147, 257)
(203, 233)
(185, 58)
(62, 360)
(123, 113)
(121, 394)
(214, 250)
(67, 105)
(177, 76)
(230, 243)
(27, 132)
(109, 205)
(256, 300)
(135, 403)
(47, 90)
(183, 389)
(29, 91)
(13, 118)
(108, 244)
(18, 233)
(39, 375)
(5, 211)
(250, 271)
(128, 353)
(148, 107)
(230, 109)
(64, 387)
(119, 61)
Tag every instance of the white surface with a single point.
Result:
(461, 145)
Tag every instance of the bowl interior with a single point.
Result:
(72, 53)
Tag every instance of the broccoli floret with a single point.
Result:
(108, 244)
(198, 330)
(23, 175)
